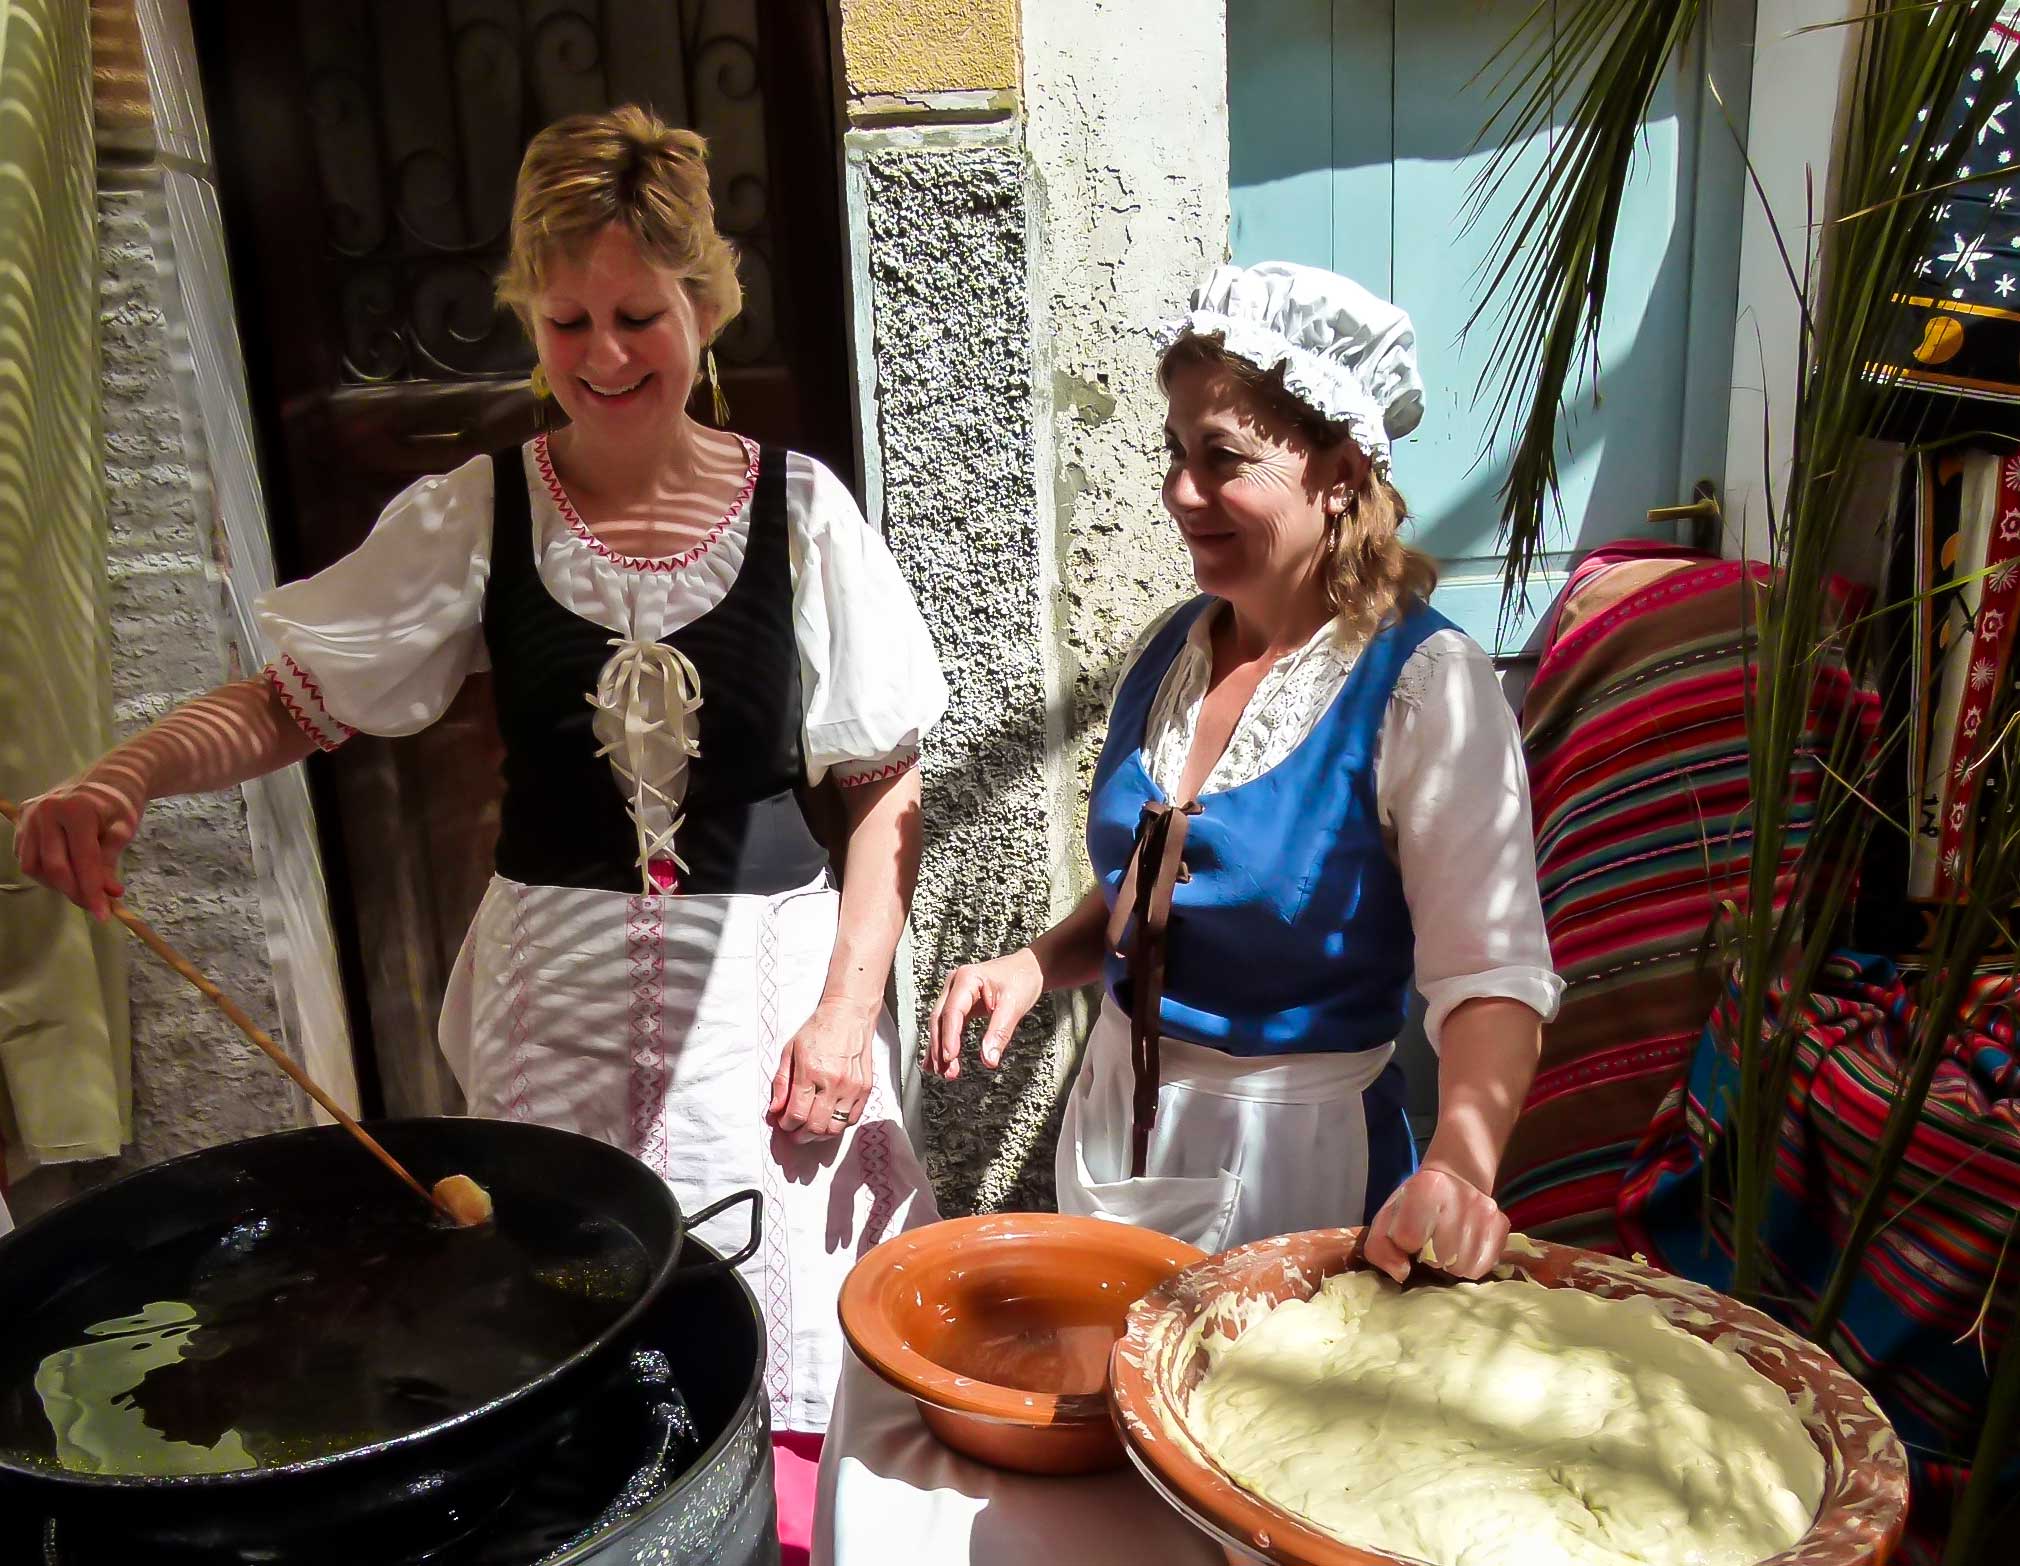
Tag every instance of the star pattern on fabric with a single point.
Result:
(1967, 249)
(1965, 255)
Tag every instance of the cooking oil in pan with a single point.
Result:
(305, 1333)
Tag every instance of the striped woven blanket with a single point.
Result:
(1635, 730)
(1917, 1331)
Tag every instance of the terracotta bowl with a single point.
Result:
(1865, 1495)
(1000, 1328)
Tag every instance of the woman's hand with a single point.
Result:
(1460, 1222)
(824, 1078)
(1485, 1061)
(70, 838)
(1004, 987)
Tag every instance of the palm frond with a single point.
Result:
(1607, 58)
(1977, 1518)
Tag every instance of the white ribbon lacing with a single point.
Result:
(656, 740)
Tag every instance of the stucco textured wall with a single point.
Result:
(908, 46)
(1013, 284)
(1127, 128)
(196, 1080)
(951, 303)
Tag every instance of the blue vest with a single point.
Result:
(1291, 934)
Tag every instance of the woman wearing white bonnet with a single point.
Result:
(1312, 794)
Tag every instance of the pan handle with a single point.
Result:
(757, 1207)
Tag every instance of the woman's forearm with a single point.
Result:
(213, 741)
(880, 869)
(1486, 1058)
(1070, 953)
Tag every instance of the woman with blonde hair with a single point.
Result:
(684, 631)
(1312, 791)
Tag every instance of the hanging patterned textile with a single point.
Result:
(1925, 1312)
(1958, 319)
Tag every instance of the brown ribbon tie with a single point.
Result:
(1141, 913)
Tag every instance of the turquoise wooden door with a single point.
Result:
(1354, 128)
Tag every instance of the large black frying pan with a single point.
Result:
(424, 1485)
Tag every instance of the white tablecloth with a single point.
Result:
(892, 1495)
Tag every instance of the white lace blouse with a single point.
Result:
(1451, 790)
(381, 641)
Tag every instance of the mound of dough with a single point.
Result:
(1507, 1424)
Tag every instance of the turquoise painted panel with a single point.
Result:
(1407, 98)
(1282, 160)
(1364, 142)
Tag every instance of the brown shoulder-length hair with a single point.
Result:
(1372, 576)
(623, 166)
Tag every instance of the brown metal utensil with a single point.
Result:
(463, 1202)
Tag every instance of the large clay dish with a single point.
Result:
(1152, 1371)
(915, 1307)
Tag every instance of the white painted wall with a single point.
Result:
(1797, 79)
(1127, 132)
(1126, 127)
(298, 938)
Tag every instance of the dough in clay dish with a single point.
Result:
(1507, 1424)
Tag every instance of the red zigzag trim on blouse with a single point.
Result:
(309, 684)
(889, 770)
(305, 719)
(667, 563)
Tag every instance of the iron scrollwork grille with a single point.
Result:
(419, 111)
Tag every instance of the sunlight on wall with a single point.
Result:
(63, 1043)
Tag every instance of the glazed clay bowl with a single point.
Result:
(1000, 1328)
(1155, 1368)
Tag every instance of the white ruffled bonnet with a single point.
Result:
(1346, 353)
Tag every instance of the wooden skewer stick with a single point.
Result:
(252, 1030)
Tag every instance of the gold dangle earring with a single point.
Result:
(718, 403)
(543, 395)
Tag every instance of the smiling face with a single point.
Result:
(1249, 491)
(619, 338)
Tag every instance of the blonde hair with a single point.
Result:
(622, 166)
(1372, 576)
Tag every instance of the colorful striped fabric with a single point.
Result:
(1635, 729)
(1913, 1331)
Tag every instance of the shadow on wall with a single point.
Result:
(1029, 1089)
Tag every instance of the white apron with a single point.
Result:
(656, 1023)
(1243, 1147)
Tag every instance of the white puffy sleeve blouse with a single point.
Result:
(381, 641)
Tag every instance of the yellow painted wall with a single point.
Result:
(905, 46)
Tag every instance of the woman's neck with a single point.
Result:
(1278, 619)
(631, 474)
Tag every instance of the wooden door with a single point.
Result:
(366, 151)
(1355, 131)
